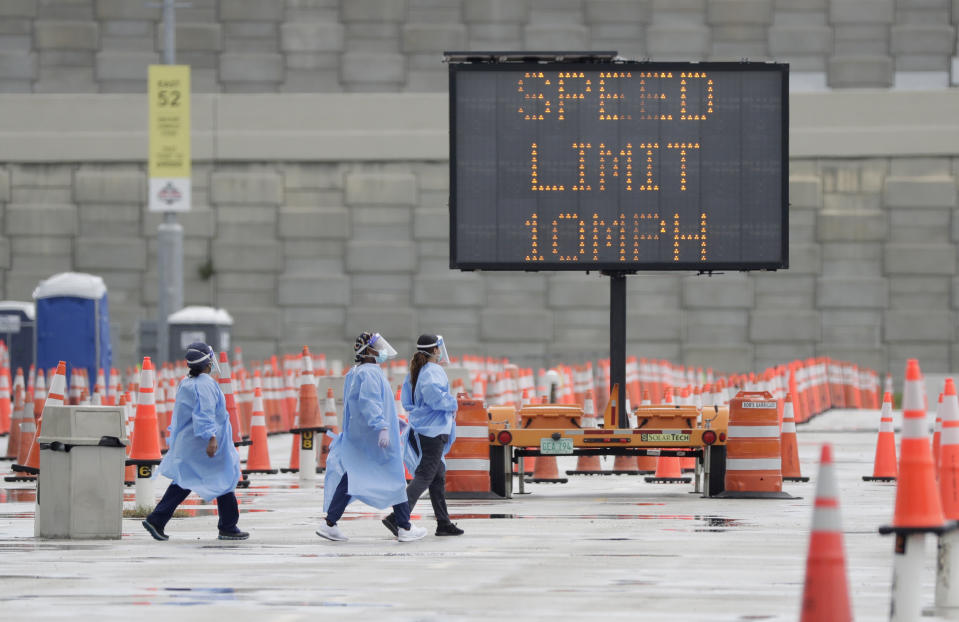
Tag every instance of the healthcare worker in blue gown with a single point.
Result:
(201, 457)
(365, 462)
(432, 410)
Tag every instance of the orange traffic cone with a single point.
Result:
(17, 417)
(917, 496)
(918, 504)
(668, 471)
(5, 405)
(884, 469)
(258, 460)
(330, 423)
(226, 385)
(26, 429)
(294, 454)
(789, 444)
(546, 471)
(588, 465)
(145, 448)
(936, 435)
(826, 593)
(949, 453)
(39, 394)
(130, 470)
(55, 397)
(244, 404)
(309, 414)
(308, 420)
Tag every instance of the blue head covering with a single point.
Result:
(199, 355)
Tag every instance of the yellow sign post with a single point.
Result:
(169, 161)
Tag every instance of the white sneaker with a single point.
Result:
(413, 533)
(331, 533)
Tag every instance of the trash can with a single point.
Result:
(207, 324)
(80, 486)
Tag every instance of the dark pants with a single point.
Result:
(341, 499)
(226, 506)
(431, 474)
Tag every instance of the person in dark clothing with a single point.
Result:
(432, 412)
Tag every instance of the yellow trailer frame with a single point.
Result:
(662, 430)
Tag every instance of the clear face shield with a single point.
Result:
(214, 361)
(442, 357)
(208, 357)
(380, 348)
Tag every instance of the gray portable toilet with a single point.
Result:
(17, 329)
(207, 324)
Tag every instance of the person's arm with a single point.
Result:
(434, 394)
(370, 403)
(406, 395)
(204, 416)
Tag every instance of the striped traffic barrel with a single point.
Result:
(467, 463)
(753, 448)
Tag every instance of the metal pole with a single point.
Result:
(170, 232)
(617, 340)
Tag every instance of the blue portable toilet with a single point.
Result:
(17, 323)
(73, 322)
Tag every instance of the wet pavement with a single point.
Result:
(612, 547)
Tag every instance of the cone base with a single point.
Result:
(321, 428)
(245, 443)
(128, 483)
(746, 494)
(20, 478)
(587, 472)
(282, 470)
(547, 480)
(267, 471)
(130, 462)
(5, 458)
(795, 479)
(243, 483)
(936, 529)
(870, 478)
(22, 468)
(668, 480)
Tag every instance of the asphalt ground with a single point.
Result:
(599, 547)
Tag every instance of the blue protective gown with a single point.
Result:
(431, 407)
(198, 414)
(376, 475)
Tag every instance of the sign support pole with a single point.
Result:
(170, 232)
(617, 339)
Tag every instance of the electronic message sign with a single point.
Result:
(618, 166)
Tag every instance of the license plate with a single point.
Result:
(551, 447)
(669, 437)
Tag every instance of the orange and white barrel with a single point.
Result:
(753, 448)
(467, 463)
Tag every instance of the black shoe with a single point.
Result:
(390, 523)
(156, 532)
(233, 535)
(448, 529)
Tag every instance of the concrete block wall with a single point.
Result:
(317, 252)
(241, 46)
